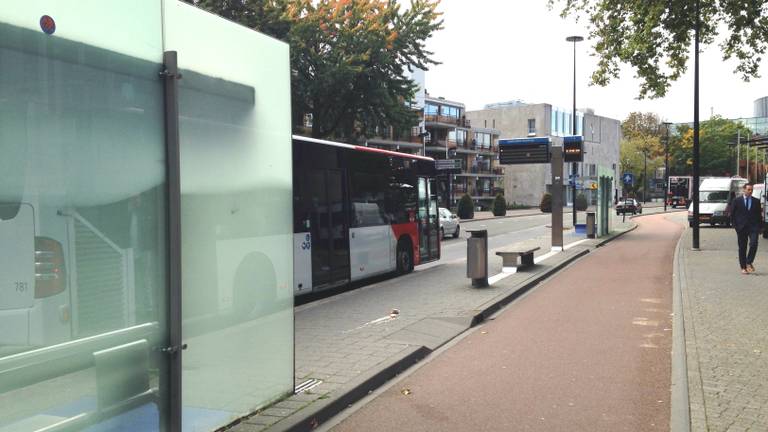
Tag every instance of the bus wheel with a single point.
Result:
(404, 257)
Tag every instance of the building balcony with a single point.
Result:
(448, 121)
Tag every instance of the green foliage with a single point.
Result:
(466, 207)
(546, 203)
(499, 205)
(656, 36)
(581, 202)
(515, 206)
(348, 58)
(717, 154)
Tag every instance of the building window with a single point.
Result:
(430, 109)
(531, 127)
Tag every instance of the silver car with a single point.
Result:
(449, 223)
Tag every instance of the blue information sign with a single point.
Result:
(628, 178)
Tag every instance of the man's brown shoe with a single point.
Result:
(750, 269)
(744, 271)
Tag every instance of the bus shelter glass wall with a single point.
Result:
(236, 216)
(82, 216)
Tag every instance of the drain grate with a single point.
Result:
(307, 385)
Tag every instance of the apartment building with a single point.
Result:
(525, 184)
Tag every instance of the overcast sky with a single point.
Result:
(499, 50)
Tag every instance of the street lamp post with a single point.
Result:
(695, 236)
(666, 164)
(574, 165)
(645, 176)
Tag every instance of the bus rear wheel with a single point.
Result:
(404, 257)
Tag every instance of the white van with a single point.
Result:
(715, 194)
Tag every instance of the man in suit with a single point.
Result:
(746, 218)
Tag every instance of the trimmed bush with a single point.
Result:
(546, 203)
(499, 206)
(581, 202)
(466, 207)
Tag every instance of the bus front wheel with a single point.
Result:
(404, 257)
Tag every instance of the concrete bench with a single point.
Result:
(509, 259)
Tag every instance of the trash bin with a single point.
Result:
(477, 257)
(591, 224)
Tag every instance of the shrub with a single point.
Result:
(581, 202)
(499, 206)
(546, 203)
(466, 207)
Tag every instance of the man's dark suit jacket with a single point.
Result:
(741, 218)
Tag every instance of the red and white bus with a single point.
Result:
(360, 212)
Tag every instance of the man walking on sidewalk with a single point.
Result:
(746, 219)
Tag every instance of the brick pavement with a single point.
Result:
(725, 318)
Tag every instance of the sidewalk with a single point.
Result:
(726, 333)
(350, 344)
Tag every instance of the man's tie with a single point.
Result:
(748, 202)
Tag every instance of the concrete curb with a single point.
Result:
(311, 417)
(323, 410)
(680, 415)
(497, 304)
(501, 217)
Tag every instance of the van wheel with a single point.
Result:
(456, 233)
(404, 257)
(442, 233)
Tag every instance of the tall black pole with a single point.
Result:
(645, 176)
(695, 245)
(574, 165)
(666, 167)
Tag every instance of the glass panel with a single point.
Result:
(234, 102)
(82, 212)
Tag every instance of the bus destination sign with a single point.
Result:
(524, 151)
(573, 148)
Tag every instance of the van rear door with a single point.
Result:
(17, 257)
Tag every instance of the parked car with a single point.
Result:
(449, 223)
(628, 205)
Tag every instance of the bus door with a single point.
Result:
(429, 246)
(330, 245)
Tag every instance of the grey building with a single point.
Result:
(525, 184)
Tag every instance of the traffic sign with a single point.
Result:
(628, 178)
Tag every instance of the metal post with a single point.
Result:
(645, 176)
(172, 376)
(738, 152)
(557, 198)
(695, 237)
(666, 166)
(574, 165)
(749, 136)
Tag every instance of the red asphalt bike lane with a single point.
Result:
(588, 350)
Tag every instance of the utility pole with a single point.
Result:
(695, 237)
(738, 152)
(666, 165)
(574, 165)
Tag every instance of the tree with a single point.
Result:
(655, 36)
(546, 203)
(466, 208)
(499, 205)
(641, 146)
(718, 154)
(348, 57)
